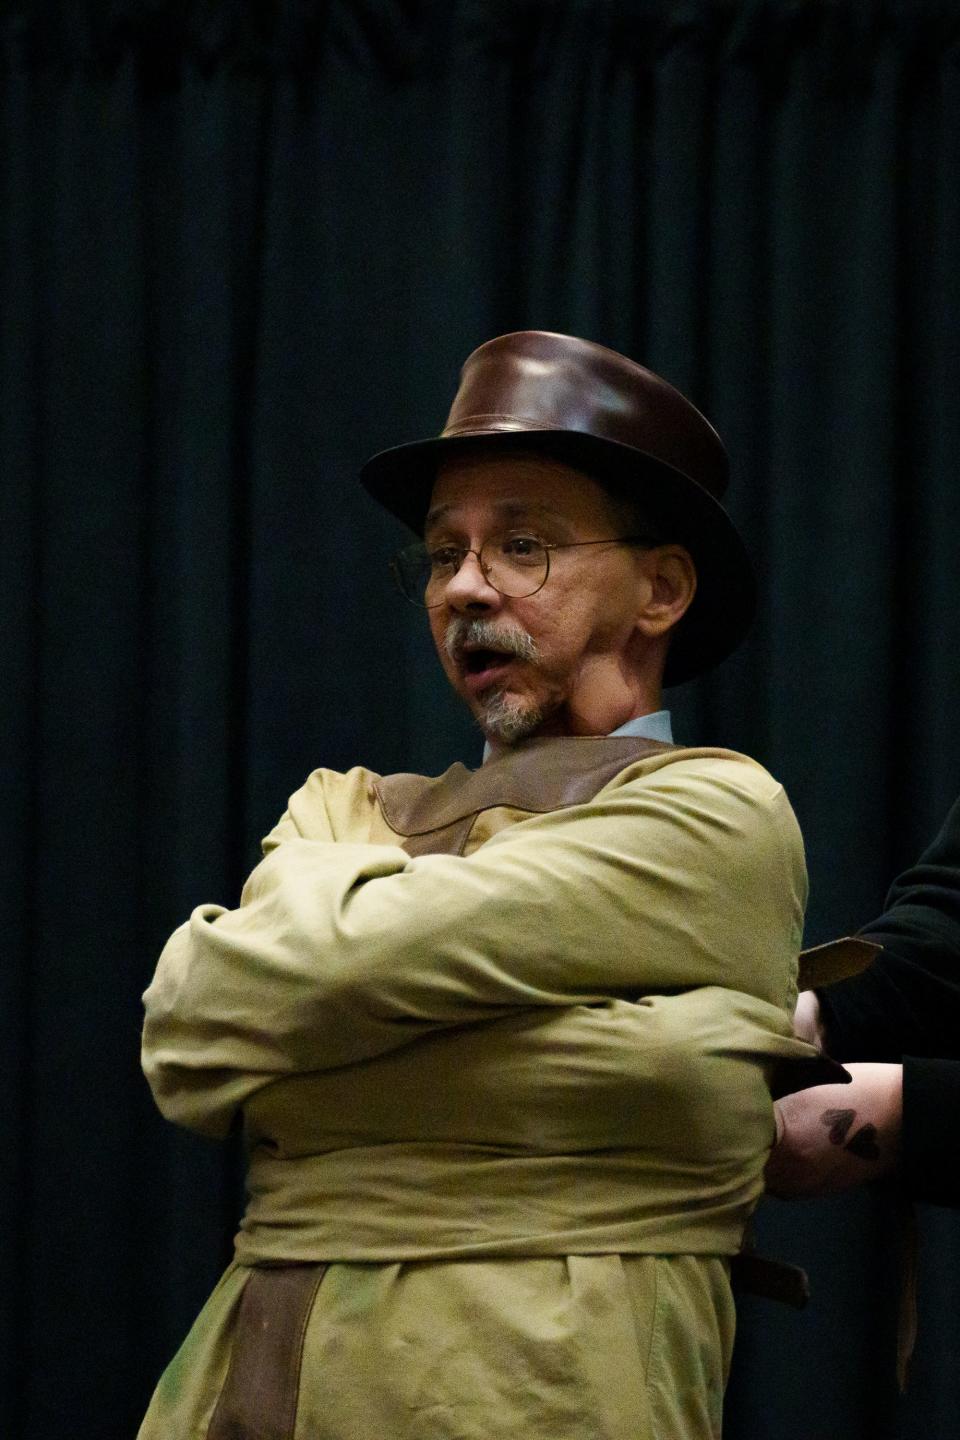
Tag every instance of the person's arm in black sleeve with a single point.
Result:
(908, 1001)
(904, 1010)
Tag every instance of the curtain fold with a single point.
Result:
(399, 37)
(242, 247)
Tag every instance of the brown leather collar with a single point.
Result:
(435, 815)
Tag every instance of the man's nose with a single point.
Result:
(470, 589)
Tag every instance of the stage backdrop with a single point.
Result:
(244, 245)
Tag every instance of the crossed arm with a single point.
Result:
(690, 876)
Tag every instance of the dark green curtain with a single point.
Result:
(244, 245)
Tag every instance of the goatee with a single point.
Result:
(504, 717)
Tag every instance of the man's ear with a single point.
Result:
(670, 585)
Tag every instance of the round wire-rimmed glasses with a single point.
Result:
(515, 565)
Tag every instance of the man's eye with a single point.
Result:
(444, 557)
(525, 550)
(521, 547)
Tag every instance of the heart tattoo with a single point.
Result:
(838, 1122)
(864, 1143)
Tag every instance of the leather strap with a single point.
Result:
(836, 960)
(259, 1397)
(435, 816)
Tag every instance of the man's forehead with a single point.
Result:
(509, 508)
(513, 485)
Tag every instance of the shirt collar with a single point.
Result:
(655, 726)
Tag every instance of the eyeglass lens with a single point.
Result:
(514, 565)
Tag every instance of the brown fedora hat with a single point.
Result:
(581, 403)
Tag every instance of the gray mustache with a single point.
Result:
(490, 636)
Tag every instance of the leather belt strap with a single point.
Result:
(259, 1396)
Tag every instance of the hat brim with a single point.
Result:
(401, 480)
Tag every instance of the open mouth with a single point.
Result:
(482, 667)
(476, 661)
(483, 652)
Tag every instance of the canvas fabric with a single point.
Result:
(516, 1096)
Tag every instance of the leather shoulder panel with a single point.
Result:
(537, 776)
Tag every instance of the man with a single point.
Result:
(899, 1023)
(500, 1040)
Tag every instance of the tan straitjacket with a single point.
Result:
(501, 1044)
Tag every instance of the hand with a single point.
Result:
(831, 1137)
(806, 1019)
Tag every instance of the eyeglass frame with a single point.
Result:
(545, 545)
